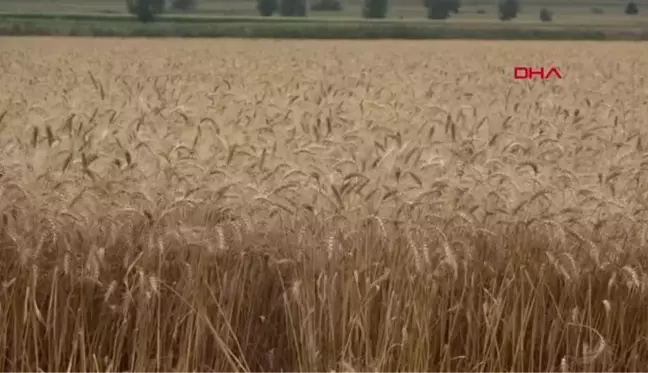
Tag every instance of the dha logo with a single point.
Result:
(530, 73)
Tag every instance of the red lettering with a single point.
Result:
(529, 73)
(538, 73)
(555, 72)
(520, 73)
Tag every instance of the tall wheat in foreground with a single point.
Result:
(314, 206)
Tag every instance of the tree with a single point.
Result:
(145, 10)
(327, 6)
(441, 9)
(508, 9)
(453, 5)
(266, 8)
(130, 6)
(158, 6)
(546, 15)
(375, 8)
(437, 10)
(292, 8)
(632, 8)
(183, 4)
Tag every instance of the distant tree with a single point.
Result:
(130, 6)
(327, 6)
(508, 9)
(441, 9)
(158, 6)
(145, 10)
(546, 15)
(292, 8)
(142, 9)
(452, 5)
(266, 8)
(632, 8)
(183, 4)
(375, 8)
(437, 10)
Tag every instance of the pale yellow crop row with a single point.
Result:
(322, 205)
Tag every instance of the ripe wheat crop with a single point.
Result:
(322, 205)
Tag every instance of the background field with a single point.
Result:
(182, 205)
(578, 10)
(227, 18)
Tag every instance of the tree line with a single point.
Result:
(145, 10)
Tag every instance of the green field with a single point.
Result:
(578, 10)
(226, 18)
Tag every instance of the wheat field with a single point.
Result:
(246, 205)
